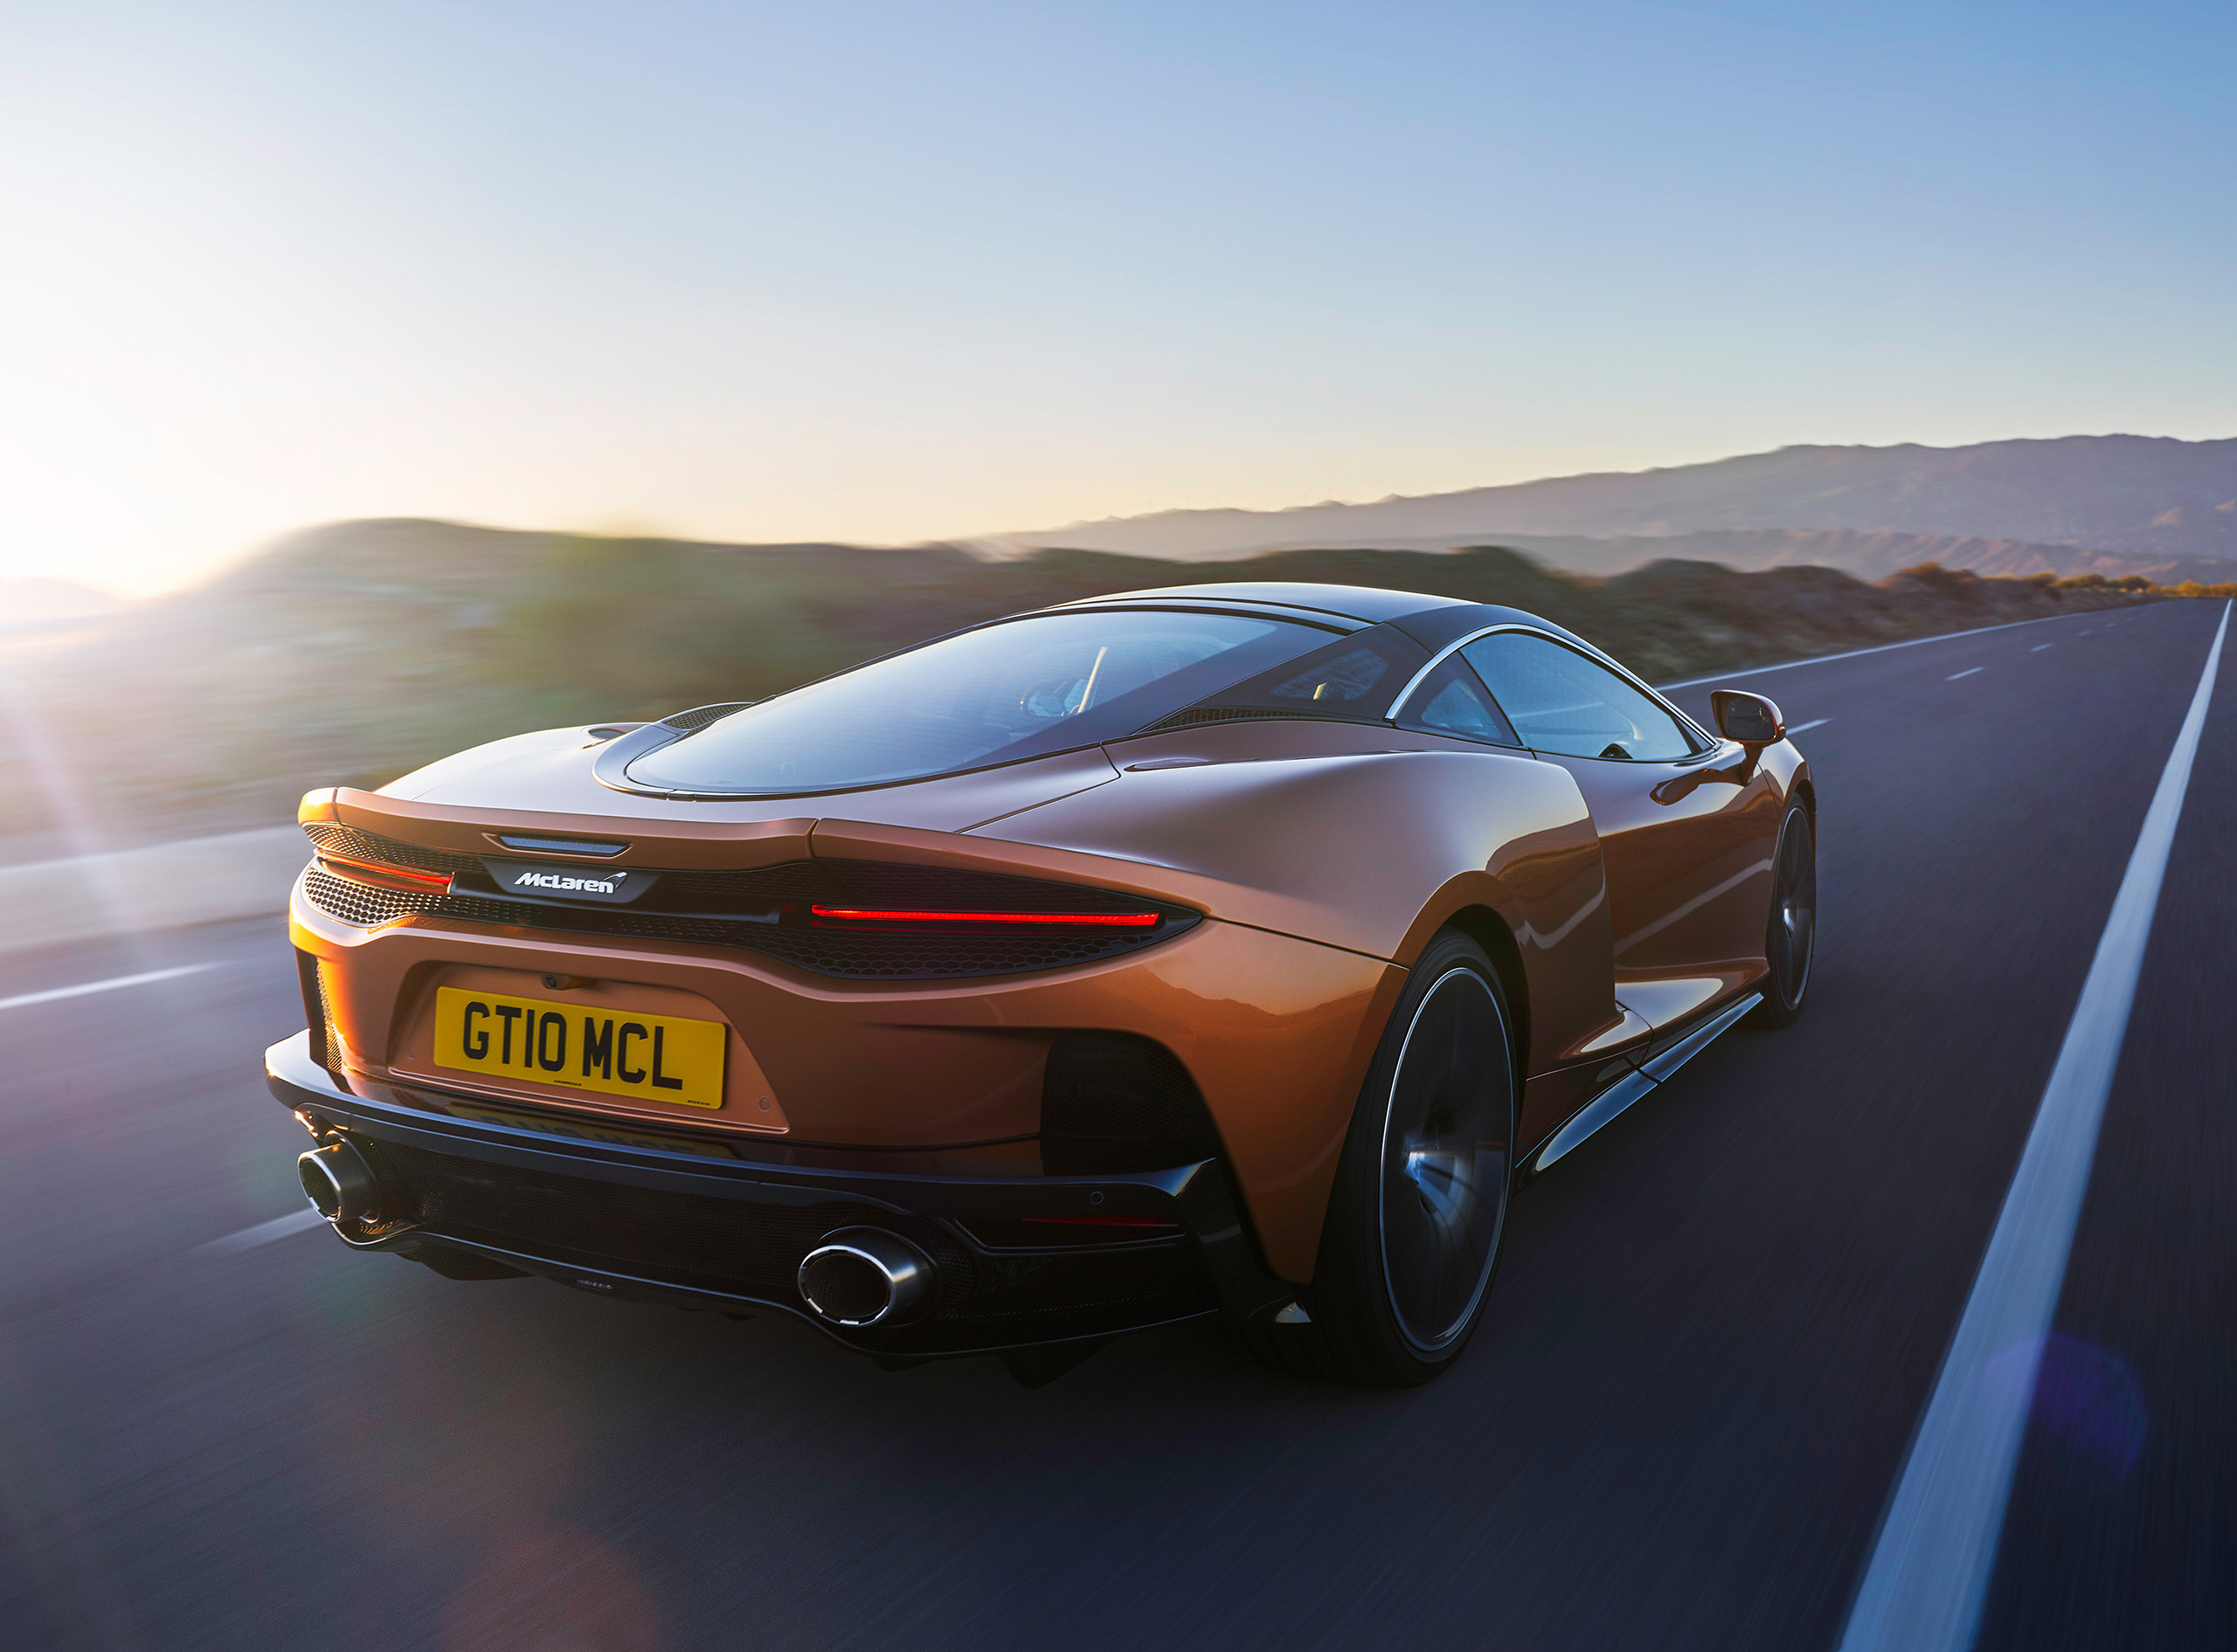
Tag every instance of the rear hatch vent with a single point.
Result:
(700, 716)
(531, 844)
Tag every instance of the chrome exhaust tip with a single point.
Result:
(864, 1277)
(340, 1184)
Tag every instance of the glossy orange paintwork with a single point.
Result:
(1687, 849)
(1277, 1032)
(1323, 855)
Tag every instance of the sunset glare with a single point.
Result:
(893, 273)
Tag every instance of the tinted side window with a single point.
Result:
(1561, 702)
(1451, 700)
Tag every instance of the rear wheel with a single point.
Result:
(1791, 942)
(1420, 1201)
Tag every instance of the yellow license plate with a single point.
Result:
(647, 1058)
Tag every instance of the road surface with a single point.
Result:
(1716, 1326)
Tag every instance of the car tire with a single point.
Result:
(1790, 935)
(1419, 1205)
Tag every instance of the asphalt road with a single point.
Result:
(1716, 1326)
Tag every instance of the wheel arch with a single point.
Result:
(1489, 931)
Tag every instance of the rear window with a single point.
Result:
(1023, 688)
(1355, 676)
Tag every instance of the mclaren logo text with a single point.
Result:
(552, 881)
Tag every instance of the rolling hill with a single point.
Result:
(2166, 504)
(355, 651)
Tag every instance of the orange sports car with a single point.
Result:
(1229, 949)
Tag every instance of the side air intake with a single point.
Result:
(1113, 1102)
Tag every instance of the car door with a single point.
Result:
(1687, 826)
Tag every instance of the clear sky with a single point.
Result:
(891, 272)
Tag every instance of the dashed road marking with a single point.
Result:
(1852, 653)
(1954, 675)
(1805, 728)
(2038, 647)
(24, 1000)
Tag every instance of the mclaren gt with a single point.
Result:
(1233, 950)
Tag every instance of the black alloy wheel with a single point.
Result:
(1791, 942)
(1420, 1202)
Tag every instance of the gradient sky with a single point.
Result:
(892, 272)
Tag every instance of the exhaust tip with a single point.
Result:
(340, 1184)
(864, 1277)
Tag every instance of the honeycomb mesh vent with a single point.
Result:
(367, 845)
(1195, 717)
(700, 716)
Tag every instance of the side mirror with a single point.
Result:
(1748, 718)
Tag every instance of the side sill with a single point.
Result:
(1617, 1097)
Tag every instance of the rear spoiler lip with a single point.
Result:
(676, 845)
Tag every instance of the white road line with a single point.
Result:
(1805, 728)
(1930, 1566)
(2038, 647)
(263, 1234)
(1954, 675)
(26, 1000)
(1854, 653)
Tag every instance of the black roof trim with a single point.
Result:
(1439, 626)
(1367, 604)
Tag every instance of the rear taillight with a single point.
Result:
(386, 874)
(903, 914)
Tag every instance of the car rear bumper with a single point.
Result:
(723, 1226)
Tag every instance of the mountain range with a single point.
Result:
(2109, 504)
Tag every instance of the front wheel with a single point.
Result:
(1790, 941)
(1421, 1195)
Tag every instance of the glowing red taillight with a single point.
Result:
(868, 914)
(386, 876)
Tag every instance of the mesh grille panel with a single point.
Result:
(361, 904)
(1197, 714)
(330, 1030)
(700, 716)
(341, 839)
